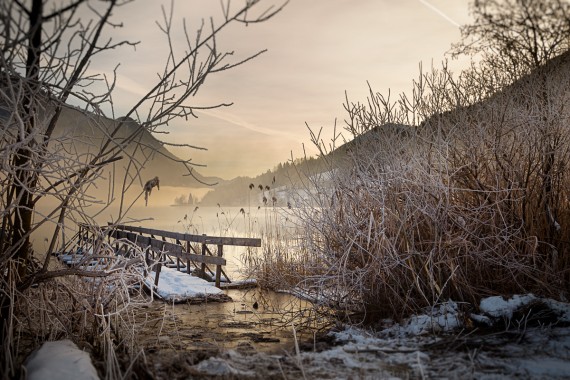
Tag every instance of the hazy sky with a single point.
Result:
(317, 50)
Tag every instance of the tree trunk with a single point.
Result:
(26, 180)
(24, 160)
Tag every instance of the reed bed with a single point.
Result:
(455, 194)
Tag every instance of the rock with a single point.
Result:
(216, 367)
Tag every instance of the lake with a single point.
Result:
(219, 221)
(267, 327)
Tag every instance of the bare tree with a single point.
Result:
(516, 36)
(47, 49)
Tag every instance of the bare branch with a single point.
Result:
(72, 6)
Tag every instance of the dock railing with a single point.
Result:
(181, 250)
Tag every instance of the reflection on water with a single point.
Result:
(217, 221)
(258, 320)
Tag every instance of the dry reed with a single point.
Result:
(453, 194)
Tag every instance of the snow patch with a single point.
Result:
(60, 360)
(220, 367)
(561, 308)
(498, 307)
(175, 286)
(544, 367)
(439, 319)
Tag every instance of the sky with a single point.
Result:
(316, 51)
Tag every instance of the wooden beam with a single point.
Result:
(237, 241)
(157, 270)
(219, 267)
(170, 249)
(203, 267)
(178, 251)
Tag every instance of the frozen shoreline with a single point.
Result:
(437, 344)
(432, 345)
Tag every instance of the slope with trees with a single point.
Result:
(282, 182)
(457, 191)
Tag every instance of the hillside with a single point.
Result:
(276, 183)
(86, 133)
(236, 192)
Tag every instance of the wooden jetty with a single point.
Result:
(176, 250)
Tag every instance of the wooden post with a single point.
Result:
(153, 253)
(188, 261)
(146, 260)
(178, 258)
(157, 270)
(79, 236)
(218, 266)
(203, 266)
(161, 257)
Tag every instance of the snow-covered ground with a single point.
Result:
(520, 337)
(436, 344)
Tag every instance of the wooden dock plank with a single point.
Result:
(168, 248)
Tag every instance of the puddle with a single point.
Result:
(255, 320)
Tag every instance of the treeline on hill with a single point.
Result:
(287, 175)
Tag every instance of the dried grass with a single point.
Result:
(453, 194)
(97, 312)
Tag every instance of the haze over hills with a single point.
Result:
(234, 147)
(518, 95)
(88, 132)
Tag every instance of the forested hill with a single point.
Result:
(237, 192)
